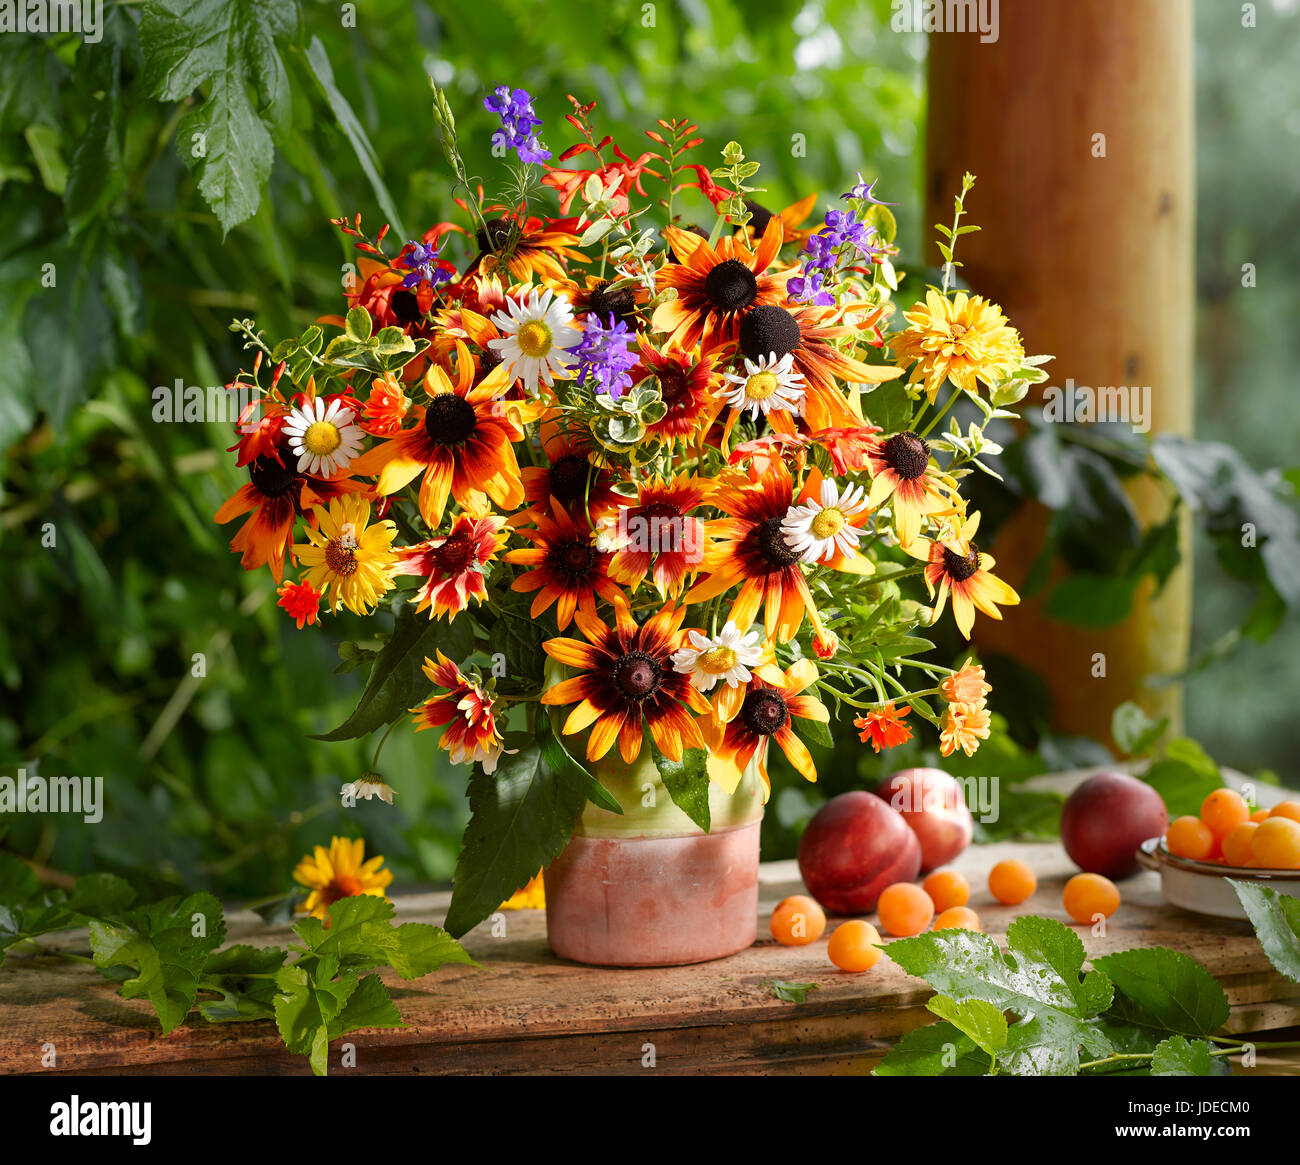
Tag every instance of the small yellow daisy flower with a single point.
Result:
(339, 872)
(346, 558)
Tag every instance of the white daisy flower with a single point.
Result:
(727, 657)
(325, 437)
(768, 384)
(817, 530)
(371, 785)
(534, 333)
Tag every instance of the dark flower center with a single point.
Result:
(673, 387)
(731, 286)
(772, 544)
(765, 712)
(449, 419)
(341, 556)
(637, 675)
(572, 559)
(759, 216)
(769, 329)
(569, 477)
(959, 569)
(455, 554)
(271, 478)
(406, 307)
(494, 234)
(907, 455)
(487, 361)
(602, 303)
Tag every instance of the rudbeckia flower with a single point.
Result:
(466, 709)
(954, 564)
(792, 219)
(539, 246)
(772, 699)
(535, 333)
(339, 872)
(964, 339)
(347, 558)
(452, 564)
(566, 567)
(627, 680)
(570, 477)
(462, 442)
(715, 288)
(530, 896)
(901, 469)
(883, 727)
(750, 549)
(655, 534)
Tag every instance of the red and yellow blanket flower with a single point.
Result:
(462, 443)
(452, 564)
(627, 683)
(656, 534)
(466, 710)
(341, 871)
(685, 379)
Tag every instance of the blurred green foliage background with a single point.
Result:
(121, 590)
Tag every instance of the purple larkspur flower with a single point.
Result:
(519, 124)
(865, 191)
(421, 263)
(808, 288)
(605, 355)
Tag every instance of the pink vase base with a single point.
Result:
(654, 902)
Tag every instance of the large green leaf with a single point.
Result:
(938, 1049)
(687, 782)
(1276, 919)
(1164, 989)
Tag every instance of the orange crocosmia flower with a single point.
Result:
(452, 564)
(655, 534)
(715, 288)
(956, 566)
(471, 734)
(385, 409)
(462, 442)
(883, 727)
(963, 727)
(301, 600)
(966, 685)
(626, 680)
(772, 698)
(566, 568)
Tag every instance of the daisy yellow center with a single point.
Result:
(717, 660)
(761, 385)
(321, 438)
(829, 522)
(341, 555)
(535, 339)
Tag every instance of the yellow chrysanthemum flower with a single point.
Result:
(347, 559)
(339, 872)
(964, 339)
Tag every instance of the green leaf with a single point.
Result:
(516, 637)
(1276, 919)
(158, 943)
(230, 47)
(522, 817)
(240, 975)
(793, 992)
(369, 1005)
(814, 731)
(938, 1049)
(564, 766)
(1184, 775)
(1177, 1057)
(982, 1022)
(1134, 731)
(1164, 989)
(1038, 979)
(310, 1000)
(687, 782)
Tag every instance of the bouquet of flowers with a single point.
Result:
(609, 481)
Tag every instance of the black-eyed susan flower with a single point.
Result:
(532, 247)
(462, 442)
(571, 476)
(772, 699)
(716, 287)
(955, 565)
(901, 470)
(965, 339)
(626, 681)
(347, 558)
(341, 871)
(567, 569)
(655, 533)
(466, 710)
(452, 564)
(883, 727)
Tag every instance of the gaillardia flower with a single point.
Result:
(452, 564)
(348, 559)
(627, 679)
(339, 872)
(466, 709)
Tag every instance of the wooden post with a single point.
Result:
(1078, 123)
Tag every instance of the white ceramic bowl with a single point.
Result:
(1203, 887)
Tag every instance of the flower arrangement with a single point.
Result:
(608, 482)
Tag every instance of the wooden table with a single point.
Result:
(526, 1011)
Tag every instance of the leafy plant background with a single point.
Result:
(211, 781)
